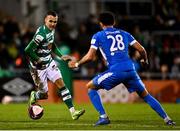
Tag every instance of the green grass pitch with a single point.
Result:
(57, 117)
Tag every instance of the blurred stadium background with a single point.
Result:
(154, 23)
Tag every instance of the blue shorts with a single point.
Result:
(109, 79)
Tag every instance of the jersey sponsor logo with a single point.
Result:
(105, 76)
(50, 37)
(43, 51)
(47, 58)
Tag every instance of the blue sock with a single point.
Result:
(155, 105)
(96, 101)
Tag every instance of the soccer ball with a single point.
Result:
(35, 111)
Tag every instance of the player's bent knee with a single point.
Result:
(143, 94)
(90, 85)
(59, 83)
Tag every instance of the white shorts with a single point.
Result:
(40, 77)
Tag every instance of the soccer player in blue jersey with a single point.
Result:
(113, 44)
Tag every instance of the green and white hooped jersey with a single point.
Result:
(44, 39)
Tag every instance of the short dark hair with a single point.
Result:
(51, 12)
(107, 18)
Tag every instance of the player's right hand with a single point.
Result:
(72, 64)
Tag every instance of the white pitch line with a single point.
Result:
(87, 124)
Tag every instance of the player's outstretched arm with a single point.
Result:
(67, 58)
(58, 53)
(56, 50)
(90, 56)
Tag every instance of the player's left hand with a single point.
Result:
(144, 63)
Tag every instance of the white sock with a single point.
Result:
(37, 95)
(72, 109)
(103, 116)
(167, 119)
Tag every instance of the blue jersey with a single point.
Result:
(113, 45)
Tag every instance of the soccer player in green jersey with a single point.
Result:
(42, 66)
